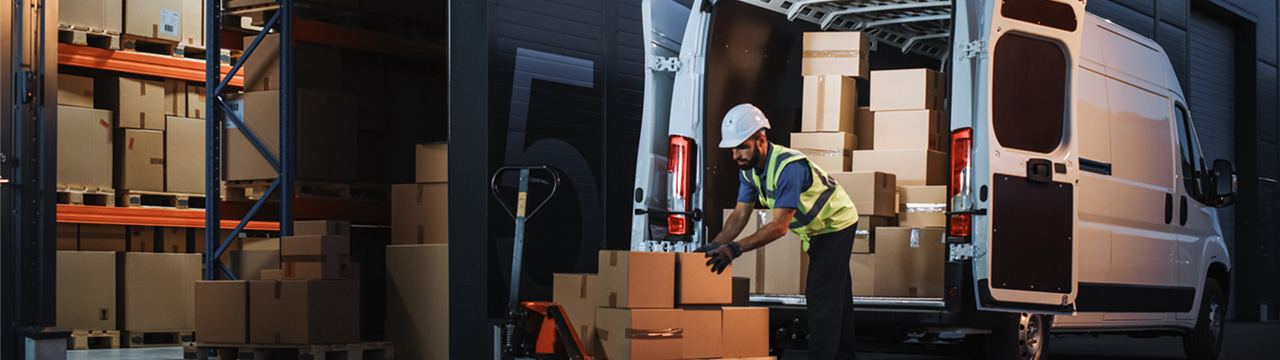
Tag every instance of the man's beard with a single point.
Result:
(752, 161)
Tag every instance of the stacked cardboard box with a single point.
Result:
(778, 268)
(420, 211)
(922, 206)
(304, 311)
(873, 195)
(909, 262)
(316, 257)
(577, 293)
(832, 61)
(418, 301)
(100, 15)
(86, 293)
(909, 131)
(156, 291)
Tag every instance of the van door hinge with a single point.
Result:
(972, 49)
(966, 252)
(662, 63)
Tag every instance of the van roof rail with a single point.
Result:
(920, 26)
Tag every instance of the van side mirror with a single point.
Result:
(1223, 182)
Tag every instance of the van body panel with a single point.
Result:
(665, 22)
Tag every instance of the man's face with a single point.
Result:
(747, 154)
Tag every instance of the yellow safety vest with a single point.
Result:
(824, 207)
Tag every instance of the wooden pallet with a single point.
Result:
(167, 338)
(96, 339)
(197, 52)
(159, 199)
(76, 35)
(355, 351)
(251, 190)
(86, 197)
(142, 44)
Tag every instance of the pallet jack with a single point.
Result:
(533, 329)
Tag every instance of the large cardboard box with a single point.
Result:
(184, 155)
(193, 23)
(137, 104)
(157, 19)
(84, 149)
(175, 97)
(922, 206)
(157, 291)
(195, 102)
(577, 294)
(746, 331)
(639, 333)
(637, 280)
(703, 338)
(910, 262)
(222, 311)
(316, 257)
(75, 91)
(420, 214)
(304, 312)
(139, 160)
(830, 104)
(864, 237)
(781, 264)
(325, 137)
(910, 130)
(175, 239)
(418, 301)
(315, 66)
(95, 237)
(909, 89)
(86, 290)
(862, 268)
(68, 235)
(912, 167)
(102, 15)
(698, 285)
(836, 53)
(872, 192)
(248, 264)
(322, 227)
(864, 127)
(829, 150)
(432, 163)
(746, 265)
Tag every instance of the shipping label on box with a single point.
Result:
(222, 311)
(432, 163)
(830, 104)
(137, 104)
(417, 293)
(909, 89)
(864, 240)
(745, 331)
(910, 262)
(922, 206)
(640, 333)
(86, 290)
(420, 214)
(637, 280)
(698, 285)
(872, 192)
(85, 149)
(912, 167)
(139, 160)
(576, 293)
(157, 291)
(75, 91)
(829, 150)
(836, 53)
(184, 155)
(864, 127)
(156, 19)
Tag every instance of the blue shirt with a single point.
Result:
(793, 180)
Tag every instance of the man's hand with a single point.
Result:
(722, 256)
(709, 247)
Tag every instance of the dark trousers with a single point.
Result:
(829, 294)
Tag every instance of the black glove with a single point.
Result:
(721, 257)
(709, 247)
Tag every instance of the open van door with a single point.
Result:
(1015, 159)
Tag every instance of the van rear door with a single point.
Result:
(1021, 57)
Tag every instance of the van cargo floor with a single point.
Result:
(857, 301)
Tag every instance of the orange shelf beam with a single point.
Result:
(147, 217)
(138, 63)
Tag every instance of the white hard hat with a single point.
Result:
(740, 123)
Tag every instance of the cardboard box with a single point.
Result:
(103, 15)
(95, 237)
(86, 290)
(830, 104)
(175, 239)
(322, 227)
(639, 333)
(922, 206)
(193, 23)
(417, 290)
(780, 264)
(248, 264)
(829, 150)
(271, 274)
(910, 130)
(68, 236)
(703, 338)
(137, 104)
(157, 19)
(195, 102)
(746, 331)
(139, 160)
(698, 285)
(637, 280)
(84, 149)
(315, 66)
(260, 243)
(746, 265)
(432, 163)
(864, 127)
(577, 294)
(157, 291)
(304, 312)
(836, 53)
(910, 262)
(325, 137)
(75, 91)
(909, 89)
(864, 240)
(142, 239)
(175, 97)
(316, 257)
(184, 154)
(222, 311)
(862, 268)
(912, 167)
(420, 214)
(872, 192)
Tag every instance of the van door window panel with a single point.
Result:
(1028, 93)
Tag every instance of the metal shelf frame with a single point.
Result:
(218, 112)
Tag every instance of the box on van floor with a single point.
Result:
(872, 192)
(836, 53)
(829, 150)
(910, 130)
(907, 89)
(922, 206)
(909, 262)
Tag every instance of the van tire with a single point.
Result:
(1023, 336)
(1204, 342)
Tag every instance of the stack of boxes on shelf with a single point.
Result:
(174, 21)
(418, 259)
(641, 301)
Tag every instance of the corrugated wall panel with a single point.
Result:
(1173, 12)
(1212, 98)
(1143, 24)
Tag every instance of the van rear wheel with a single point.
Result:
(1023, 336)
(1205, 341)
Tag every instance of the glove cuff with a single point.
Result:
(735, 248)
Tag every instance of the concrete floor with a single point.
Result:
(166, 353)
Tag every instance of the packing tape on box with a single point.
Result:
(862, 235)
(582, 287)
(915, 238)
(823, 152)
(672, 333)
(924, 208)
(831, 54)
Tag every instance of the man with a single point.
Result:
(805, 200)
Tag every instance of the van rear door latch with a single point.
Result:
(1040, 170)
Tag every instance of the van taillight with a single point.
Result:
(679, 167)
(961, 147)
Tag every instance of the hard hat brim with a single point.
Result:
(729, 143)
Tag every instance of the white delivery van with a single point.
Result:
(1079, 198)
